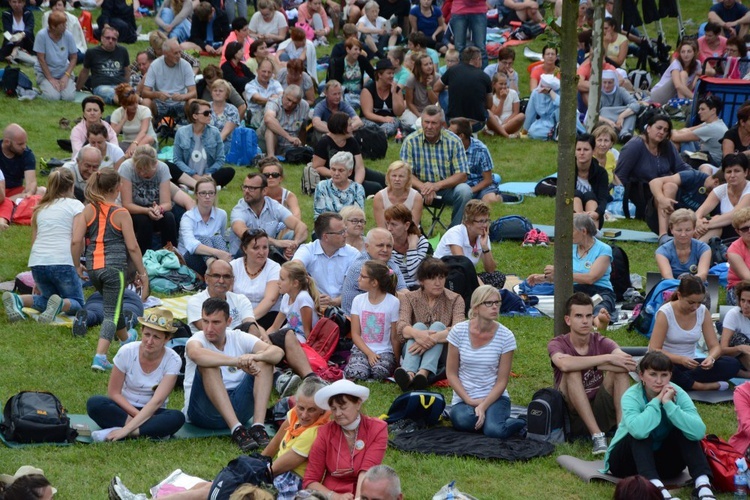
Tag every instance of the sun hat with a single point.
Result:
(340, 387)
(159, 319)
(24, 470)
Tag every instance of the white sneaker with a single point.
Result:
(101, 435)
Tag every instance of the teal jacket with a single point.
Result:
(641, 417)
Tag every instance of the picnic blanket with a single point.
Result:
(176, 305)
(625, 234)
(62, 319)
(588, 470)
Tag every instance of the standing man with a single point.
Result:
(470, 16)
(438, 161)
(591, 371)
(169, 83)
(108, 64)
(284, 122)
(469, 89)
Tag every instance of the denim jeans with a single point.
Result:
(477, 24)
(201, 411)
(428, 360)
(182, 31)
(497, 421)
(457, 196)
(106, 413)
(59, 280)
(106, 92)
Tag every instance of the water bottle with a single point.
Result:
(740, 480)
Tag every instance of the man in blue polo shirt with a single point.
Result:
(333, 102)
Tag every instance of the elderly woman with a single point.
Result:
(234, 71)
(480, 355)
(144, 375)
(145, 193)
(425, 318)
(543, 109)
(679, 326)
(224, 115)
(347, 446)
(56, 55)
(738, 254)
(331, 195)
(471, 238)
(592, 188)
(257, 277)
(382, 101)
(618, 107)
(354, 223)
(261, 90)
(203, 229)
(268, 24)
(93, 109)
(132, 120)
(683, 254)
(198, 148)
(410, 247)
(727, 197)
(605, 138)
(294, 74)
(399, 190)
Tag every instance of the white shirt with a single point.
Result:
(138, 387)
(510, 100)
(679, 341)
(293, 313)
(459, 235)
(192, 225)
(725, 205)
(328, 272)
(54, 232)
(376, 321)
(735, 321)
(255, 288)
(239, 309)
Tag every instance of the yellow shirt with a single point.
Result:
(301, 444)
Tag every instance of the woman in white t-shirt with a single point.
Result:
(132, 120)
(735, 336)
(51, 261)
(471, 238)
(268, 24)
(729, 197)
(505, 117)
(299, 305)
(257, 277)
(375, 31)
(480, 355)
(374, 319)
(144, 375)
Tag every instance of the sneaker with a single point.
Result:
(80, 323)
(402, 378)
(542, 239)
(259, 434)
(531, 238)
(101, 435)
(54, 307)
(242, 437)
(291, 386)
(101, 363)
(131, 319)
(132, 337)
(600, 444)
(13, 307)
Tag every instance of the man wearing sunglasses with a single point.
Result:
(108, 64)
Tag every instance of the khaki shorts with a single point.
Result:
(603, 406)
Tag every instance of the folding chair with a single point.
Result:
(435, 209)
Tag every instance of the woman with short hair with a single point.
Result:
(56, 55)
(728, 197)
(331, 195)
(354, 223)
(683, 253)
(233, 70)
(224, 115)
(738, 254)
(93, 111)
(410, 246)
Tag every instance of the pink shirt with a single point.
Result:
(233, 38)
(304, 16)
(469, 7)
(79, 136)
(739, 248)
(598, 345)
(704, 52)
(741, 440)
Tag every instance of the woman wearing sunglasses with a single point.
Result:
(272, 170)
(198, 149)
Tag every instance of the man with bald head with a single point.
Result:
(169, 82)
(88, 161)
(378, 246)
(18, 167)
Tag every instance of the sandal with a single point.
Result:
(710, 496)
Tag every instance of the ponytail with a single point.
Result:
(383, 275)
(100, 184)
(297, 272)
(58, 186)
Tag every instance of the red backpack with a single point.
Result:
(721, 456)
(324, 337)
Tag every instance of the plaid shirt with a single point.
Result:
(480, 161)
(434, 162)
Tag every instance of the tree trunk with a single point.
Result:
(566, 164)
(597, 57)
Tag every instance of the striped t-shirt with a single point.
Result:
(477, 368)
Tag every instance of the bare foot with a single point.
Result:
(4, 224)
(601, 322)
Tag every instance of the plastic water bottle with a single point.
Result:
(740, 480)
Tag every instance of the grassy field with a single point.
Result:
(33, 357)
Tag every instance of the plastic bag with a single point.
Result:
(450, 492)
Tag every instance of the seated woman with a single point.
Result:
(203, 229)
(679, 79)
(410, 246)
(618, 108)
(543, 109)
(738, 254)
(257, 277)
(233, 70)
(426, 316)
(480, 356)
(547, 67)
(428, 18)
(728, 197)
(241, 34)
(592, 188)
(737, 138)
(339, 138)
(505, 117)
(708, 134)
(382, 101)
(350, 437)
(93, 110)
(615, 44)
(679, 325)
(398, 191)
(261, 90)
(331, 195)
(274, 173)
(683, 254)
(375, 31)
(299, 48)
(605, 138)
(144, 375)
(72, 26)
(18, 21)
(471, 238)
(660, 431)
(198, 148)
(211, 73)
(592, 266)
(735, 335)
(258, 53)
(350, 70)
(294, 74)
(354, 223)
(145, 193)
(56, 55)
(268, 24)
(224, 115)
(174, 18)
(314, 15)
(132, 120)
(418, 88)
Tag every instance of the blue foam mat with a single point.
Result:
(625, 234)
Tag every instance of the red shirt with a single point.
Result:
(598, 345)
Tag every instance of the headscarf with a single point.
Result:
(550, 82)
(609, 74)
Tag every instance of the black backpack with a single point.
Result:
(420, 406)
(510, 227)
(36, 417)
(299, 155)
(254, 469)
(547, 417)
(372, 141)
(620, 274)
(462, 278)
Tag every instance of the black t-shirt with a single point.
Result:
(733, 134)
(468, 87)
(326, 148)
(379, 106)
(106, 68)
(400, 8)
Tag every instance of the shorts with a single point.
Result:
(491, 189)
(603, 406)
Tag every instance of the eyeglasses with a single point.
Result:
(743, 229)
(206, 194)
(339, 233)
(225, 277)
(251, 188)
(204, 113)
(357, 221)
(272, 175)
(491, 303)
(482, 221)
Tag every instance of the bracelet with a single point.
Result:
(486, 251)
(67, 73)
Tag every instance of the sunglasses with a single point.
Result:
(204, 113)
(272, 175)
(743, 229)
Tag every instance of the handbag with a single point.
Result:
(309, 31)
(23, 212)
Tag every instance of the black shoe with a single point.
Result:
(259, 434)
(244, 440)
(419, 382)
(80, 326)
(625, 138)
(402, 378)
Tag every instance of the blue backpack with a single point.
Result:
(510, 227)
(244, 147)
(645, 317)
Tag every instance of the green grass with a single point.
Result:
(33, 357)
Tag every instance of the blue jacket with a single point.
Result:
(28, 21)
(184, 142)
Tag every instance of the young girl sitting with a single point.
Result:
(660, 431)
(735, 337)
(505, 117)
(109, 229)
(374, 318)
(300, 301)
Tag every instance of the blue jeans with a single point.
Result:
(497, 421)
(457, 196)
(428, 360)
(57, 280)
(182, 31)
(201, 411)
(106, 413)
(477, 24)
(106, 92)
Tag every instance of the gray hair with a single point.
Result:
(371, 5)
(384, 472)
(88, 149)
(293, 91)
(584, 222)
(344, 158)
(310, 386)
(433, 110)
(169, 42)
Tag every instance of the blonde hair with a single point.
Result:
(249, 491)
(101, 183)
(297, 272)
(144, 159)
(396, 165)
(350, 210)
(482, 294)
(220, 82)
(475, 208)
(682, 215)
(740, 217)
(58, 186)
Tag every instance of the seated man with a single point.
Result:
(328, 258)
(88, 161)
(169, 83)
(708, 134)
(284, 122)
(333, 102)
(208, 29)
(108, 65)
(228, 377)
(481, 179)
(731, 16)
(257, 211)
(438, 161)
(18, 166)
(591, 371)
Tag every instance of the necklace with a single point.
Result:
(255, 274)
